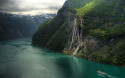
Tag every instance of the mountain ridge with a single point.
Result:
(19, 26)
(93, 30)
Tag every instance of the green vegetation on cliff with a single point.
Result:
(104, 20)
(51, 34)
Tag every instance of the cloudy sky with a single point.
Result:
(32, 7)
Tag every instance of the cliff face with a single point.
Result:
(75, 43)
(91, 29)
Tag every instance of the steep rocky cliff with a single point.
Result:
(91, 29)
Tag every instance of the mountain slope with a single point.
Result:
(91, 29)
(19, 26)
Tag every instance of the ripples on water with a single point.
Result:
(18, 59)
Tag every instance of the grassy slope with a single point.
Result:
(52, 34)
(103, 19)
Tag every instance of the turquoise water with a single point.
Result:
(18, 59)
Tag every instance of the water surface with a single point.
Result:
(18, 59)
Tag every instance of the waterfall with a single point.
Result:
(75, 41)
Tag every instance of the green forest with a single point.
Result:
(102, 19)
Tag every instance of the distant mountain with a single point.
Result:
(20, 26)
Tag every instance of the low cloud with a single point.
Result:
(32, 7)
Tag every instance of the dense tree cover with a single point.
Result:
(105, 20)
(19, 26)
(51, 34)
(107, 16)
(102, 19)
(54, 33)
